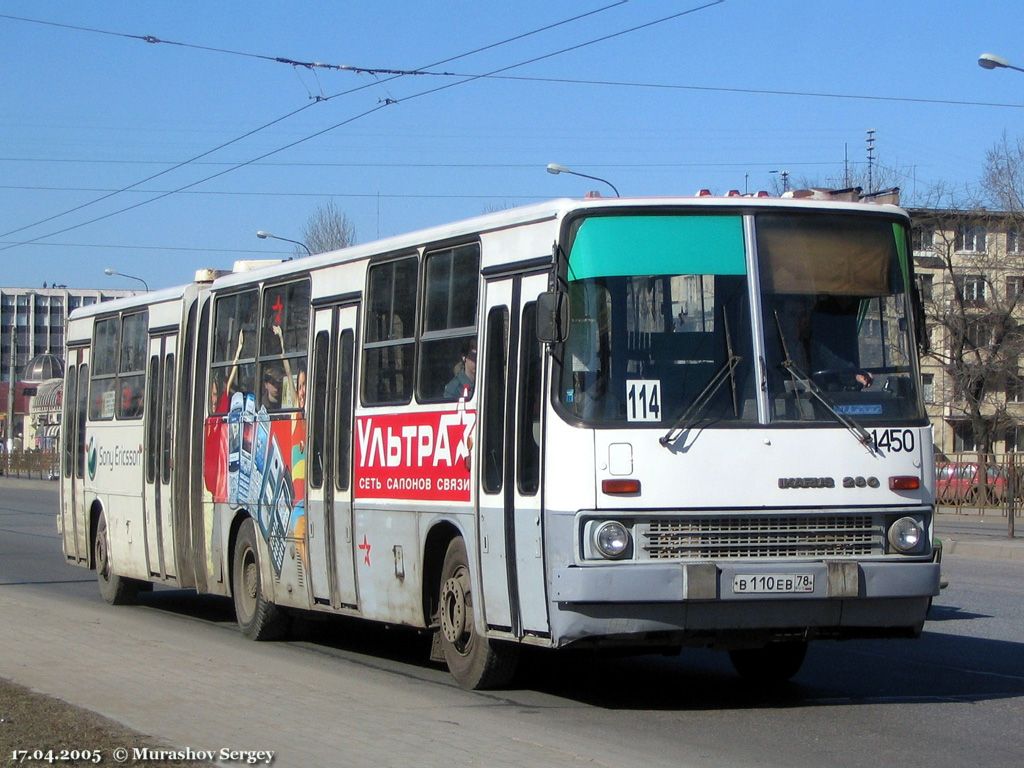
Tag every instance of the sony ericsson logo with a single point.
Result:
(92, 457)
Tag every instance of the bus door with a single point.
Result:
(159, 437)
(329, 458)
(512, 562)
(74, 519)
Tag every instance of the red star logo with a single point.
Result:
(365, 546)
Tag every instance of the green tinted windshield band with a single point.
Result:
(615, 246)
(900, 234)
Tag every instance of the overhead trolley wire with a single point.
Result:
(382, 105)
(247, 134)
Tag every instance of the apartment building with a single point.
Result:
(32, 321)
(970, 270)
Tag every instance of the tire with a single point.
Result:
(771, 664)
(116, 590)
(473, 660)
(258, 618)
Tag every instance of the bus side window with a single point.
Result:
(233, 359)
(131, 370)
(390, 332)
(528, 427)
(447, 353)
(496, 372)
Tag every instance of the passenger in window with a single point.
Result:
(272, 386)
(294, 392)
(220, 390)
(300, 386)
(464, 381)
(131, 401)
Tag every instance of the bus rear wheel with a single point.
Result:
(258, 618)
(116, 590)
(473, 660)
(770, 664)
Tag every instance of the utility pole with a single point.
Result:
(871, 160)
(10, 393)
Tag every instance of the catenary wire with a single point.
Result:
(317, 100)
(368, 112)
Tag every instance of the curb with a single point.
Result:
(1010, 549)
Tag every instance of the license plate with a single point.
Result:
(783, 583)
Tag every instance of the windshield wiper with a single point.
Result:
(802, 379)
(728, 369)
(688, 419)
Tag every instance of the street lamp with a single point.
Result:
(556, 169)
(110, 272)
(991, 61)
(264, 235)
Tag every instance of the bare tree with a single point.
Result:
(328, 229)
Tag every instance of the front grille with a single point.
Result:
(774, 536)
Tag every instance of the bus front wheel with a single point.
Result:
(257, 617)
(770, 664)
(473, 660)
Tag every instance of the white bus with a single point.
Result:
(636, 423)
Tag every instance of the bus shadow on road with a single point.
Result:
(937, 667)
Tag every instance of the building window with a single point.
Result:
(1015, 387)
(924, 237)
(971, 288)
(1014, 439)
(925, 283)
(963, 437)
(1013, 241)
(1014, 287)
(978, 333)
(928, 387)
(971, 238)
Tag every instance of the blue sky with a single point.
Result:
(87, 113)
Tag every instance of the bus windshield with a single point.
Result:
(660, 321)
(835, 311)
(661, 331)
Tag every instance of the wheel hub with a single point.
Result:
(453, 610)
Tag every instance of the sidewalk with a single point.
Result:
(980, 535)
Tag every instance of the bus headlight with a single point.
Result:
(906, 534)
(611, 539)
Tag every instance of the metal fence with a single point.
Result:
(44, 465)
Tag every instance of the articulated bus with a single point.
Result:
(632, 423)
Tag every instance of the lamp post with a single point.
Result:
(991, 61)
(110, 272)
(262, 235)
(556, 169)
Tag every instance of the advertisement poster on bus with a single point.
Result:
(256, 462)
(423, 456)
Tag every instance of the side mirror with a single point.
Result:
(552, 317)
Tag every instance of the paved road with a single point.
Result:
(356, 695)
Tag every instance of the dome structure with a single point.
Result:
(43, 367)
